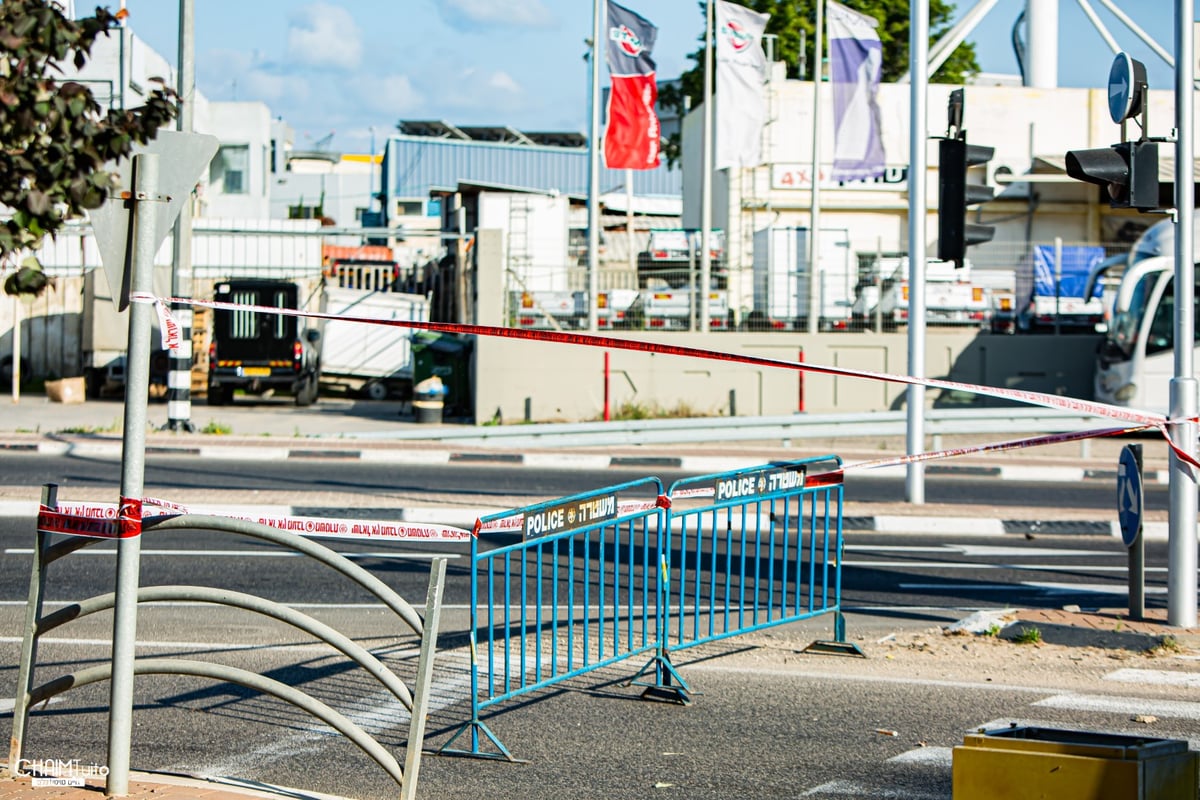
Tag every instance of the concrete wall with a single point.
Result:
(566, 382)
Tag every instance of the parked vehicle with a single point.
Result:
(1050, 295)
(258, 351)
(375, 361)
(672, 256)
(951, 297)
(673, 310)
(1136, 360)
(781, 279)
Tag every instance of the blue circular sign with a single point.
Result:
(1125, 81)
(1129, 496)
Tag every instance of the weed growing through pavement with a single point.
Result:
(1167, 645)
(993, 630)
(217, 428)
(113, 427)
(1030, 635)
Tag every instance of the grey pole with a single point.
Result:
(593, 241)
(918, 55)
(133, 463)
(1181, 545)
(814, 224)
(179, 376)
(706, 172)
(1137, 554)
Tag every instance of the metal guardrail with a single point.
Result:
(775, 428)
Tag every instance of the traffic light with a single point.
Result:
(1128, 172)
(956, 195)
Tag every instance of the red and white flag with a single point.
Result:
(741, 109)
(632, 139)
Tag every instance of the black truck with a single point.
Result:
(259, 351)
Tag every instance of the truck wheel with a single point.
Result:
(376, 390)
(220, 395)
(306, 395)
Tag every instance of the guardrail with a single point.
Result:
(938, 422)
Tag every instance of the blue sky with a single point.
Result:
(345, 66)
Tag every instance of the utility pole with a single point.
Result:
(179, 377)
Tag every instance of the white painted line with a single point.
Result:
(842, 788)
(1132, 706)
(1157, 677)
(939, 525)
(458, 517)
(937, 756)
(418, 457)
(704, 465)
(1042, 474)
(898, 548)
(53, 448)
(990, 551)
(567, 461)
(18, 508)
(1051, 588)
(236, 453)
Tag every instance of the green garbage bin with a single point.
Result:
(448, 357)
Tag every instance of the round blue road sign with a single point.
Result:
(1129, 496)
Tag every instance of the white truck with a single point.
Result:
(782, 279)
(374, 360)
(673, 310)
(951, 298)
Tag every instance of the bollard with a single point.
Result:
(429, 401)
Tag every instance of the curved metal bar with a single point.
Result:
(258, 605)
(299, 543)
(67, 546)
(220, 672)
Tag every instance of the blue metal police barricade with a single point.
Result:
(747, 550)
(574, 594)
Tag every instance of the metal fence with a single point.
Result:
(601, 577)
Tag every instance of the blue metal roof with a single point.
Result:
(412, 165)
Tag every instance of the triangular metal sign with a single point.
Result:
(183, 157)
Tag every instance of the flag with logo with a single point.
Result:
(632, 138)
(741, 109)
(855, 64)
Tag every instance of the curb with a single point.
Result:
(699, 465)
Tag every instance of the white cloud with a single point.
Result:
(324, 35)
(391, 95)
(476, 15)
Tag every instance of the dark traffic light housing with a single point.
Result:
(1128, 171)
(955, 194)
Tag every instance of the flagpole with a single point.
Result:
(593, 243)
(706, 170)
(814, 233)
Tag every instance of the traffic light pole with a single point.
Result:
(918, 55)
(1181, 560)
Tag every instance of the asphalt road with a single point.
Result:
(477, 483)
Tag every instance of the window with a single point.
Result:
(230, 169)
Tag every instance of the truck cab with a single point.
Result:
(259, 351)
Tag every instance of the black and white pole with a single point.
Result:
(179, 375)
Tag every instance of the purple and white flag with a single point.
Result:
(855, 63)
(741, 109)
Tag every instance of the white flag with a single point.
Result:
(741, 109)
(856, 63)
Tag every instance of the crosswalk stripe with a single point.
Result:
(1159, 677)
(1179, 709)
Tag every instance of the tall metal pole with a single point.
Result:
(133, 467)
(706, 173)
(593, 242)
(1181, 545)
(814, 225)
(918, 54)
(179, 376)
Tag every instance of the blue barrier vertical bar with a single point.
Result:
(825, 542)
(783, 562)
(554, 586)
(474, 645)
(601, 585)
(571, 604)
(728, 570)
(812, 554)
(646, 581)
(507, 620)
(587, 598)
(539, 552)
(771, 544)
(491, 632)
(741, 564)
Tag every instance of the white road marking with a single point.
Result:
(851, 789)
(1159, 677)
(936, 756)
(1050, 588)
(1177, 709)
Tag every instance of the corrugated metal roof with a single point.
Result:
(415, 164)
